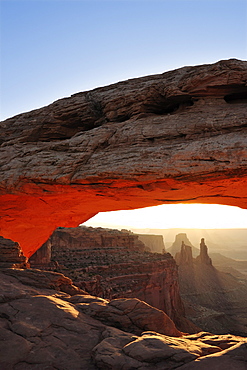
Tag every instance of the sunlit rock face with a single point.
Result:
(176, 137)
(47, 324)
(115, 264)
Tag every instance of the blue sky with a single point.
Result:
(53, 48)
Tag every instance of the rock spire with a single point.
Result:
(203, 257)
(184, 257)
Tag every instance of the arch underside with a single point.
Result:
(179, 137)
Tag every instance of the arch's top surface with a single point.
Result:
(176, 137)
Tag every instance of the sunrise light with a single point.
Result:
(211, 216)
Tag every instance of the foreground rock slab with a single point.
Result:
(45, 328)
(155, 351)
(176, 137)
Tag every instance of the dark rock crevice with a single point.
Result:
(237, 98)
(162, 105)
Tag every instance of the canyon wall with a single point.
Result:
(83, 237)
(175, 137)
(114, 264)
(154, 242)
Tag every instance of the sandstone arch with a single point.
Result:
(176, 137)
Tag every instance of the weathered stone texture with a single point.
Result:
(114, 264)
(176, 137)
(41, 328)
(11, 254)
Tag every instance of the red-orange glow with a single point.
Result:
(30, 215)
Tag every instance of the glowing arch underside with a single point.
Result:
(176, 137)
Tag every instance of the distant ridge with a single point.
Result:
(231, 243)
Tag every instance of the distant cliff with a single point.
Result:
(82, 238)
(154, 242)
(176, 246)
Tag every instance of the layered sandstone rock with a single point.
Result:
(41, 328)
(153, 282)
(114, 264)
(42, 280)
(175, 137)
(82, 239)
(11, 254)
(130, 315)
(154, 351)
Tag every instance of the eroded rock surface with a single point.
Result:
(155, 351)
(11, 254)
(86, 238)
(41, 328)
(176, 137)
(114, 264)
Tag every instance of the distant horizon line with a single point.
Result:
(164, 228)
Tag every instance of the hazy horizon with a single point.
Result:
(224, 228)
(230, 242)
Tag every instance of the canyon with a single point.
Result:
(175, 137)
(214, 300)
(47, 321)
(115, 264)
